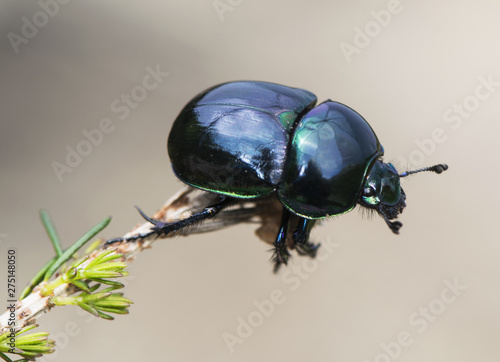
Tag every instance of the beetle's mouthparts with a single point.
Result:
(389, 212)
(392, 211)
(393, 225)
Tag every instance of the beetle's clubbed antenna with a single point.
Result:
(436, 168)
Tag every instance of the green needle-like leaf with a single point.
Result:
(105, 316)
(93, 246)
(36, 279)
(92, 298)
(105, 274)
(26, 329)
(98, 303)
(89, 309)
(114, 310)
(82, 285)
(77, 263)
(51, 231)
(28, 346)
(35, 348)
(94, 288)
(33, 338)
(103, 257)
(114, 284)
(110, 266)
(68, 253)
(113, 304)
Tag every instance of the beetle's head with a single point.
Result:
(382, 191)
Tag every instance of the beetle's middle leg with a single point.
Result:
(281, 254)
(300, 237)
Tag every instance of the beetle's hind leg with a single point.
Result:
(162, 229)
(300, 237)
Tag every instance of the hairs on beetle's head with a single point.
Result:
(367, 213)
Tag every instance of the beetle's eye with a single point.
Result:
(370, 196)
(368, 192)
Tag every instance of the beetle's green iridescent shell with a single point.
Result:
(331, 152)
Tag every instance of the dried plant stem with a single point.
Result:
(179, 206)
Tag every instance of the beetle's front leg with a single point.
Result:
(301, 237)
(281, 254)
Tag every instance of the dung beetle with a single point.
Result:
(250, 140)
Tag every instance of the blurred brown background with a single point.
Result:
(414, 70)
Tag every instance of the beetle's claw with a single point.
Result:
(280, 257)
(155, 222)
(277, 266)
(307, 249)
